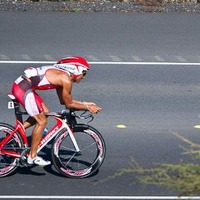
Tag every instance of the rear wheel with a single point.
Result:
(81, 164)
(9, 164)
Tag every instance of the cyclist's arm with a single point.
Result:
(69, 103)
(65, 97)
(60, 96)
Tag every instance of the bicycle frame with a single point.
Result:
(61, 125)
(20, 129)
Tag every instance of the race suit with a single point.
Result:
(24, 88)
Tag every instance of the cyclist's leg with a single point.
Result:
(34, 106)
(41, 122)
(31, 121)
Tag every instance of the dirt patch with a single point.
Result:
(126, 6)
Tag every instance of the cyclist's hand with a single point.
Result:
(89, 103)
(93, 108)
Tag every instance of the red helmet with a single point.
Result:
(76, 61)
(74, 65)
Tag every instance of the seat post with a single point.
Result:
(15, 104)
(18, 113)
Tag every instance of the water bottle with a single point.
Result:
(45, 131)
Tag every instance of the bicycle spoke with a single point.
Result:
(67, 148)
(69, 160)
(87, 147)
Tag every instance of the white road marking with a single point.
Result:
(91, 57)
(115, 58)
(180, 58)
(48, 57)
(25, 62)
(26, 57)
(158, 58)
(104, 63)
(4, 57)
(137, 58)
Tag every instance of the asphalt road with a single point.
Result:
(152, 101)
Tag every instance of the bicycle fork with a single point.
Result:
(72, 138)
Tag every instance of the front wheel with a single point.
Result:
(80, 164)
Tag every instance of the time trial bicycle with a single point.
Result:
(77, 150)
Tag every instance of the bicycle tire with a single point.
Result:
(79, 164)
(8, 164)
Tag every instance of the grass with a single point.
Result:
(182, 177)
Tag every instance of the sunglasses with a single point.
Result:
(84, 72)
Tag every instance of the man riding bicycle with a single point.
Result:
(59, 76)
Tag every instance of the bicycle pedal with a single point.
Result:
(23, 158)
(23, 161)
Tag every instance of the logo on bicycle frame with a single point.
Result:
(49, 135)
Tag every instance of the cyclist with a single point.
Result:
(59, 76)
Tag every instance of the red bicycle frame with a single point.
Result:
(19, 128)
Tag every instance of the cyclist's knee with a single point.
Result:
(41, 119)
(44, 122)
